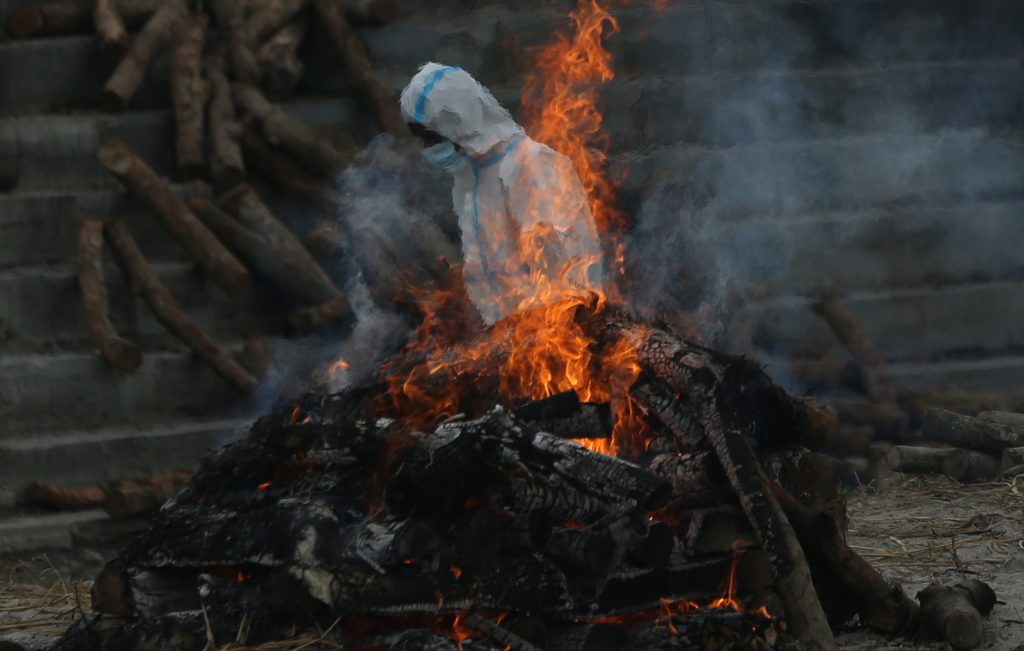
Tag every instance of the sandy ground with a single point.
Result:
(922, 529)
(916, 530)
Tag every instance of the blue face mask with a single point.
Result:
(443, 155)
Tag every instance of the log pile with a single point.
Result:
(499, 528)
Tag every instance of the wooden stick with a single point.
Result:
(167, 311)
(915, 459)
(848, 330)
(967, 432)
(128, 75)
(970, 466)
(218, 263)
(225, 153)
(290, 133)
(115, 349)
(110, 27)
(353, 54)
(230, 18)
(953, 613)
(279, 58)
(270, 17)
(70, 16)
(189, 92)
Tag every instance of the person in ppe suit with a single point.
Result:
(528, 237)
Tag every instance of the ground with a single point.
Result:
(914, 529)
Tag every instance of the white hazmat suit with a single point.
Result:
(528, 237)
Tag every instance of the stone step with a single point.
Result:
(875, 248)
(88, 458)
(41, 307)
(80, 391)
(984, 319)
(834, 173)
(58, 151)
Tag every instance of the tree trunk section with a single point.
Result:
(241, 52)
(189, 92)
(120, 352)
(972, 433)
(954, 613)
(218, 263)
(913, 459)
(969, 466)
(158, 32)
(169, 314)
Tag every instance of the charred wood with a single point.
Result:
(167, 311)
(498, 633)
(674, 410)
(158, 32)
(120, 352)
(222, 267)
(563, 415)
(583, 552)
(954, 613)
(697, 479)
(718, 530)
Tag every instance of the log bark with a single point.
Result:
(241, 52)
(914, 459)
(849, 582)
(110, 27)
(354, 56)
(279, 59)
(120, 352)
(697, 479)
(158, 32)
(169, 314)
(225, 153)
(674, 411)
(954, 613)
(218, 263)
(291, 134)
(507, 639)
(970, 466)
(189, 92)
(972, 433)
(69, 16)
(848, 330)
(271, 17)
(718, 530)
(585, 553)
(563, 415)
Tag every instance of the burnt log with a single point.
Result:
(916, 459)
(110, 27)
(563, 415)
(954, 613)
(971, 433)
(697, 479)
(218, 263)
(117, 350)
(812, 478)
(225, 153)
(279, 59)
(563, 502)
(717, 530)
(487, 534)
(674, 411)
(584, 553)
(509, 640)
(159, 31)
(313, 151)
(189, 92)
(167, 311)
(353, 54)
(273, 253)
(70, 16)
(970, 466)
(848, 330)
(653, 548)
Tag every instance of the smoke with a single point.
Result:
(793, 149)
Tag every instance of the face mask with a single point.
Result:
(443, 155)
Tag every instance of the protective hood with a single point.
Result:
(450, 102)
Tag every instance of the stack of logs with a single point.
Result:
(227, 59)
(498, 529)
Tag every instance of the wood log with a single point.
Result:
(487, 534)
(848, 330)
(64, 499)
(654, 548)
(1012, 458)
(281, 168)
(584, 553)
(972, 433)
(225, 152)
(354, 56)
(717, 530)
(563, 502)
(110, 27)
(270, 17)
(674, 411)
(563, 415)
(279, 59)
(954, 613)
(970, 466)
(167, 311)
(272, 252)
(70, 16)
(129, 497)
(241, 52)
(697, 479)
(1006, 418)
(849, 583)
(916, 459)
(291, 134)
(120, 352)
(158, 32)
(189, 92)
(218, 263)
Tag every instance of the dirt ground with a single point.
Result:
(914, 529)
